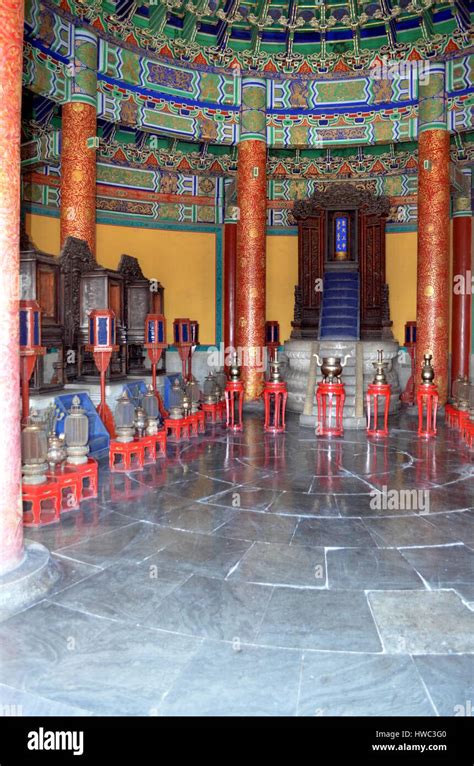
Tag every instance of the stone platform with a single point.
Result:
(302, 374)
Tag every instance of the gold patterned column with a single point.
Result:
(433, 229)
(251, 236)
(11, 62)
(78, 159)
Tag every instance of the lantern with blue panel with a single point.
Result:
(183, 342)
(30, 348)
(155, 342)
(102, 337)
(272, 339)
(341, 237)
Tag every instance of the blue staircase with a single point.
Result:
(340, 306)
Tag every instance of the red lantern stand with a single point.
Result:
(234, 402)
(408, 395)
(275, 396)
(272, 338)
(30, 349)
(427, 399)
(183, 342)
(179, 428)
(330, 398)
(194, 330)
(155, 335)
(101, 345)
(375, 392)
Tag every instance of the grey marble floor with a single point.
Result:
(257, 575)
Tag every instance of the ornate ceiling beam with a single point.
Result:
(195, 12)
(227, 16)
(259, 21)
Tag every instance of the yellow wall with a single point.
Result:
(282, 276)
(184, 262)
(400, 267)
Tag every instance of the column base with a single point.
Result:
(29, 581)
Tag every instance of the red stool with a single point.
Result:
(177, 427)
(89, 473)
(468, 434)
(275, 394)
(70, 487)
(193, 425)
(234, 402)
(160, 443)
(201, 420)
(212, 412)
(149, 449)
(374, 392)
(45, 502)
(126, 456)
(427, 399)
(330, 398)
(451, 414)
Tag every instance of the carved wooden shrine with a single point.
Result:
(342, 228)
(40, 281)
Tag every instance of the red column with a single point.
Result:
(462, 299)
(433, 254)
(78, 173)
(230, 249)
(251, 231)
(11, 63)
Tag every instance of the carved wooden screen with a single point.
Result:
(372, 246)
(310, 269)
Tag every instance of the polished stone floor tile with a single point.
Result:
(279, 564)
(231, 679)
(197, 517)
(443, 567)
(340, 684)
(123, 591)
(153, 507)
(458, 525)
(325, 620)
(102, 666)
(332, 533)
(213, 608)
(202, 554)
(370, 568)
(450, 682)
(245, 498)
(14, 702)
(268, 527)
(397, 532)
(423, 622)
(299, 504)
(76, 526)
(131, 543)
(71, 572)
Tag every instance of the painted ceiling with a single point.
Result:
(281, 35)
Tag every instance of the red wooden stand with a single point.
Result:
(330, 398)
(70, 487)
(199, 422)
(178, 428)
(451, 414)
(274, 397)
(160, 443)
(374, 392)
(41, 503)
(126, 456)
(89, 474)
(234, 402)
(212, 412)
(427, 399)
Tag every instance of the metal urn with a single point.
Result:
(34, 450)
(211, 390)
(124, 416)
(76, 433)
(140, 421)
(152, 411)
(427, 371)
(380, 367)
(176, 401)
(275, 374)
(234, 370)
(186, 405)
(194, 393)
(332, 367)
(57, 453)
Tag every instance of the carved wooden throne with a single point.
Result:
(365, 214)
